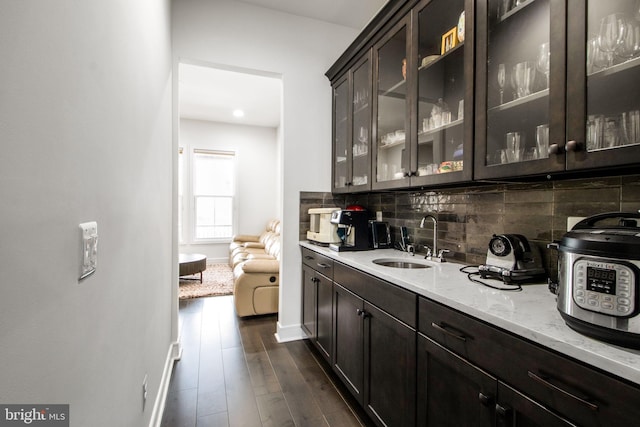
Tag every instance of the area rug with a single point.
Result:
(217, 279)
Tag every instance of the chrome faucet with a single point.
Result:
(431, 252)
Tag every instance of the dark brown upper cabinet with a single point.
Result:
(520, 104)
(392, 76)
(603, 94)
(534, 88)
(423, 78)
(557, 87)
(442, 117)
(352, 129)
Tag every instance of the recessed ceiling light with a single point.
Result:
(238, 113)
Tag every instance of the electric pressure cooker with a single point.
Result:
(598, 278)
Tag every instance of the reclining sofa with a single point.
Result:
(256, 270)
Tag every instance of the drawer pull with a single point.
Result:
(323, 265)
(554, 387)
(308, 257)
(443, 328)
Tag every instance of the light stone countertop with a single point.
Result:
(531, 313)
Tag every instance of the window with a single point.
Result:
(213, 192)
(181, 190)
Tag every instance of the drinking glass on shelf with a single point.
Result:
(630, 127)
(523, 76)
(515, 146)
(542, 62)
(502, 79)
(542, 141)
(628, 45)
(612, 30)
(611, 132)
(595, 130)
(596, 58)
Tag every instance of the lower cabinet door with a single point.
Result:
(309, 302)
(451, 391)
(513, 409)
(324, 321)
(348, 333)
(390, 369)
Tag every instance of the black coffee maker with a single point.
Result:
(353, 229)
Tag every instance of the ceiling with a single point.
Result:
(213, 94)
(348, 13)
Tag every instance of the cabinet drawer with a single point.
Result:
(582, 394)
(318, 262)
(394, 300)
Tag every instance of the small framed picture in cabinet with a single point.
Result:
(449, 40)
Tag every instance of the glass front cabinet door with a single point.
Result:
(603, 66)
(352, 129)
(392, 74)
(521, 88)
(443, 45)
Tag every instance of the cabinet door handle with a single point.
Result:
(362, 313)
(443, 328)
(555, 149)
(502, 411)
(323, 265)
(545, 382)
(572, 146)
(484, 399)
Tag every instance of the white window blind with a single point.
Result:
(213, 194)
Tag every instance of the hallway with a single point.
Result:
(234, 373)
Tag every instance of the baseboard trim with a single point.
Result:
(174, 354)
(289, 333)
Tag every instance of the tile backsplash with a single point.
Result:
(469, 216)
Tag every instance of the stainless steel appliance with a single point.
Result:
(512, 259)
(598, 277)
(353, 230)
(321, 229)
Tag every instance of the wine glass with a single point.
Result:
(612, 30)
(522, 78)
(502, 79)
(542, 62)
(627, 45)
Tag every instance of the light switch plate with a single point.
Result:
(89, 233)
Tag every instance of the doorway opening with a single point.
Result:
(229, 149)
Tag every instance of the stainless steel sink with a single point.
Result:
(399, 263)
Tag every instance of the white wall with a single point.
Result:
(256, 177)
(85, 128)
(300, 50)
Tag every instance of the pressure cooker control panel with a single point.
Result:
(604, 287)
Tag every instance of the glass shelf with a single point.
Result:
(423, 136)
(614, 69)
(520, 101)
(515, 10)
(441, 58)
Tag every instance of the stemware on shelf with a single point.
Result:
(612, 30)
(502, 79)
(542, 62)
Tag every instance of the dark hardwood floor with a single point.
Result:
(234, 373)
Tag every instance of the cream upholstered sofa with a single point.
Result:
(256, 270)
(248, 243)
